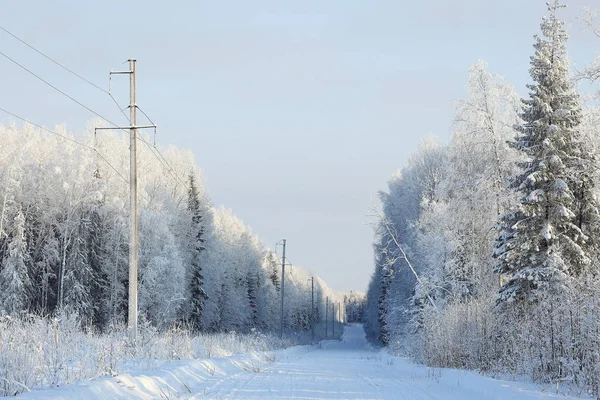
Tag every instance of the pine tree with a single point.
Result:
(540, 243)
(14, 278)
(197, 293)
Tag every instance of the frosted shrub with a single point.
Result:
(37, 352)
(458, 336)
(19, 357)
(548, 342)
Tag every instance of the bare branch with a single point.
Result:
(386, 224)
(589, 19)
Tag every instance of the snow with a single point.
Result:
(347, 369)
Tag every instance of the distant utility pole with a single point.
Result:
(312, 310)
(333, 319)
(282, 289)
(326, 311)
(132, 317)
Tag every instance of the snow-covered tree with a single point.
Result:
(273, 267)
(196, 290)
(14, 278)
(542, 242)
(354, 304)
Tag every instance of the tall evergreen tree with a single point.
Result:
(540, 243)
(197, 292)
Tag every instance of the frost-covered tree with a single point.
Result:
(114, 270)
(390, 299)
(273, 266)
(541, 242)
(456, 230)
(160, 299)
(196, 291)
(14, 279)
(354, 304)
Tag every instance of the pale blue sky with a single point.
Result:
(298, 112)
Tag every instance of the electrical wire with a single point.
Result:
(145, 115)
(66, 69)
(158, 155)
(52, 60)
(167, 166)
(57, 89)
(69, 139)
(82, 145)
(156, 152)
(153, 149)
(120, 108)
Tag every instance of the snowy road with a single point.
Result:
(338, 370)
(350, 369)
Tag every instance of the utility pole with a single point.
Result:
(326, 311)
(132, 319)
(282, 288)
(312, 310)
(132, 307)
(333, 319)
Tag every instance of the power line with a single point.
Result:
(154, 150)
(68, 70)
(69, 139)
(70, 97)
(57, 89)
(53, 60)
(119, 107)
(85, 146)
(156, 153)
(145, 115)
(164, 161)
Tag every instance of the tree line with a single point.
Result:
(64, 241)
(486, 250)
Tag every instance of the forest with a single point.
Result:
(64, 235)
(487, 249)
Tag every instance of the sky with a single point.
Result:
(297, 112)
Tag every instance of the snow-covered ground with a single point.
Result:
(347, 369)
